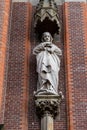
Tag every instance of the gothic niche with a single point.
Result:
(47, 97)
(46, 18)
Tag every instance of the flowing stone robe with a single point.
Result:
(48, 66)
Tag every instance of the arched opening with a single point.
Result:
(46, 26)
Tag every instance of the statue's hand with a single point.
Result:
(52, 50)
(46, 44)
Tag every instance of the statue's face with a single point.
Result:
(46, 37)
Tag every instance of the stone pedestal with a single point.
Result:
(47, 108)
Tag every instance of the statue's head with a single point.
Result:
(46, 37)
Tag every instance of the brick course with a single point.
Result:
(75, 51)
(22, 77)
(4, 22)
(17, 89)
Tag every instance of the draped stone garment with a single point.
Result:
(48, 66)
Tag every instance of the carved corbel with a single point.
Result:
(48, 104)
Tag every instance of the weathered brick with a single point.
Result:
(4, 22)
(16, 107)
(75, 45)
(22, 77)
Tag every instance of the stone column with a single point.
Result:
(47, 122)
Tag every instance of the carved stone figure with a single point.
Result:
(48, 65)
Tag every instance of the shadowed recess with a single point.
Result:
(46, 26)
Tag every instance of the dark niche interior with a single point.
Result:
(1, 127)
(46, 26)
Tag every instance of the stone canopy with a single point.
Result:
(46, 17)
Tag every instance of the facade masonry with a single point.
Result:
(18, 76)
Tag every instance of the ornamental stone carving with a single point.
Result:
(47, 10)
(48, 66)
(48, 104)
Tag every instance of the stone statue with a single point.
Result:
(48, 65)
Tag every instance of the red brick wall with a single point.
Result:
(4, 22)
(16, 107)
(75, 23)
(22, 77)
